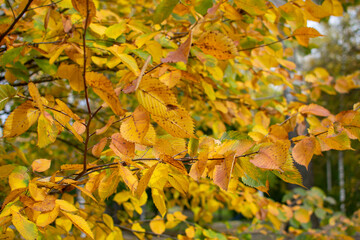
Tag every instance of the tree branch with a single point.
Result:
(3, 35)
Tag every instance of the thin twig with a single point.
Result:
(3, 35)
(45, 79)
(86, 96)
(264, 45)
(12, 10)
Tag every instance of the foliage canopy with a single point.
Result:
(117, 97)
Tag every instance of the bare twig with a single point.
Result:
(264, 45)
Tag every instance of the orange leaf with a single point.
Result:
(97, 148)
(303, 34)
(222, 172)
(272, 156)
(106, 127)
(41, 165)
(122, 147)
(217, 45)
(181, 54)
(198, 168)
(304, 151)
(130, 180)
(314, 109)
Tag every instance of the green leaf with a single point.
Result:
(47, 68)
(6, 92)
(201, 6)
(163, 10)
(10, 55)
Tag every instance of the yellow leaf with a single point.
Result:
(19, 178)
(144, 181)
(108, 184)
(303, 34)
(176, 122)
(34, 93)
(302, 215)
(74, 74)
(27, 229)
(209, 91)
(47, 218)
(86, 192)
(170, 145)
(130, 62)
(136, 126)
(130, 180)
(104, 89)
(217, 45)
(41, 165)
(159, 177)
(179, 182)
(108, 221)
(38, 194)
(47, 131)
(115, 30)
(64, 108)
(64, 223)
(80, 223)
(5, 170)
(20, 120)
(138, 231)
(155, 96)
(65, 206)
(159, 200)
(157, 225)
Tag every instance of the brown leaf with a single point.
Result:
(178, 165)
(45, 206)
(181, 54)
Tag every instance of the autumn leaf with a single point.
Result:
(159, 200)
(34, 93)
(144, 180)
(181, 54)
(86, 8)
(198, 168)
(122, 147)
(222, 172)
(304, 151)
(314, 109)
(98, 148)
(41, 165)
(303, 34)
(20, 120)
(163, 10)
(80, 223)
(6, 93)
(74, 74)
(130, 180)
(19, 178)
(272, 156)
(135, 127)
(26, 228)
(157, 225)
(47, 131)
(47, 218)
(104, 89)
(217, 45)
(178, 165)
